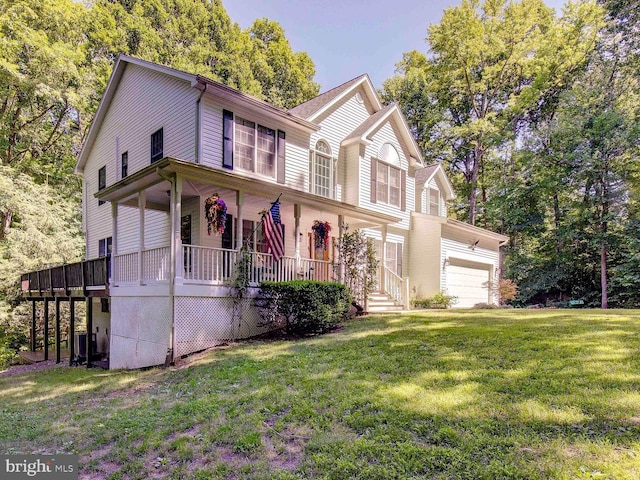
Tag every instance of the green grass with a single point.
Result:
(438, 395)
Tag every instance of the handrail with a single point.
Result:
(394, 285)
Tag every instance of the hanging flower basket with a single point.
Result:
(216, 212)
(321, 232)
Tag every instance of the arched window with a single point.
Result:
(389, 154)
(321, 170)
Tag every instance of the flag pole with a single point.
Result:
(255, 229)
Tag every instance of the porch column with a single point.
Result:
(239, 203)
(297, 213)
(114, 240)
(46, 329)
(33, 325)
(341, 260)
(142, 205)
(57, 329)
(384, 256)
(72, 330)
(176, 211)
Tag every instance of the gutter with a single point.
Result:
(198, 123)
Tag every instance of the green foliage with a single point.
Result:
(303, 306)
(440, 300)
(358, 258)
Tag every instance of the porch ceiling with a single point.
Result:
(155, 180)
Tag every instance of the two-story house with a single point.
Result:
(165, 145)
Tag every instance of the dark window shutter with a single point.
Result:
(403, 189)
(227, 139)
(374, 179)
(227, 235)
(281, 156)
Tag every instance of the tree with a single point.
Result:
(493, 65)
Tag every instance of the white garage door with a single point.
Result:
(469, 282)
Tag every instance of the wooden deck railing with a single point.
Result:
(87, 275)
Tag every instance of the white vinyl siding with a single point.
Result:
(384, 135)
(156, 229)
(144, 102)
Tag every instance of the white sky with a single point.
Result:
(346, 38)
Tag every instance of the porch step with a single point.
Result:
(381, 302)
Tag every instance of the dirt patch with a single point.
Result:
(32, 367)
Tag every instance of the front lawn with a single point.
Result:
(436, 395)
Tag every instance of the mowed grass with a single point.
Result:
(432, 395)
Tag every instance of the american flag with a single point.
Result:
(273, 231)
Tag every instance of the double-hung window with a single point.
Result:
(102, 181)
(388, 184)
(255, 147)
(434, 202)
(104, 247)
(124, 164)
(157, 145)
(321, 170)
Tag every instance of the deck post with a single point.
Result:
(341, 267)
(33, 325)
(46, 329)
(72, 330)
(89, 329)
(57, 329)
(297, 213)
(239, 203)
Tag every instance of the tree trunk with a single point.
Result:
(5, 223)
(473, 182)
(603, 274)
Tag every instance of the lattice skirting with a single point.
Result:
(203, 322)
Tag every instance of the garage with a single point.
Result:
(469, 281)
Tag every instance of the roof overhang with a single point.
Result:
(168, 168)
(480, 232)
(444, 179)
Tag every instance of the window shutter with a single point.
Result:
(374, 179)
(334, 179)
(403, 189)
(227, 139)
(312, 178)
(281, 156)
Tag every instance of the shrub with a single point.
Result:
(439, 300)
(303, 306)
(507, 290)
(485, 306)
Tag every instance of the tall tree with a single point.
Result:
(493, 64)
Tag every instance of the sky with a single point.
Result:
(346, 38)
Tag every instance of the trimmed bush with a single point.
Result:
(303, 307)
(439, 300)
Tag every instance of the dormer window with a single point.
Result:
(321, 170)
(434, 202)
(387, 178)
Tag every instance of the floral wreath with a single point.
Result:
(216, 212)
(321, 231)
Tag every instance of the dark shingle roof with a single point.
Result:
(423, 174)
(308, 108)
(369, 122)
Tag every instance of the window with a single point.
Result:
(321, 170)
(124, 164)
(252, 236)
(255, 147)
(157, 145)
(102, 181)
(104, 247)
(252, 147)
(434, 202)
(388, 184)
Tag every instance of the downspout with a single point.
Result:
(172, 269)
(198, 123)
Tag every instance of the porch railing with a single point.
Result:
(126, 268)
(395, 286)
(87, 275)
(216, 266)
(156, 265)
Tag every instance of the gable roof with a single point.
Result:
(311, 109)
(375, 121)
(424, 176)
(197, 81)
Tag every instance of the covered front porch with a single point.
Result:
(168, 198)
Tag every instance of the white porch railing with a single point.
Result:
(156, 265)
(125, 268)
(216, 266)
(396, 287)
